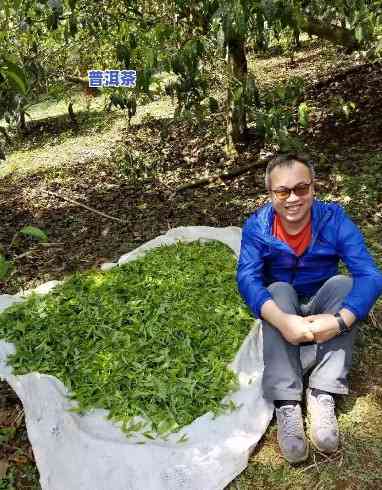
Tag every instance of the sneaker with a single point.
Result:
(323, 427)
(290, 433)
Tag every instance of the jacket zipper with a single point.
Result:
(296, 257)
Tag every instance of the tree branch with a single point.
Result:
(223, 175)
(335, 34)
(54, 194)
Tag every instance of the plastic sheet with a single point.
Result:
(75, 452)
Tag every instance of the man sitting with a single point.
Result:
(288, 275)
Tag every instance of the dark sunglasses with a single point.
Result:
(299, 190)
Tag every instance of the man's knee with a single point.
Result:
(284, 296)
(340, 284)
(331, 295)
(281, 288)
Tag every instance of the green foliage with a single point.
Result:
(119, 100)
(303, 114)
(135, 165)
(34, 232)
(272, 122)
(7, 265)
(252, 94)
(8, 482)
(213, 105)
(285, 93)
(189, 91)
(209, 105)
(275, 114)
(151, 338)
(15, 75)
(14, 92)
(144, 79)
(57, 37)
(191, 85)
(123, 54)
(234, 18)
(7, 434)
(341, 108)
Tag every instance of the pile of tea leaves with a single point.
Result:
(151, 338)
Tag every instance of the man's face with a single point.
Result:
(294, 209)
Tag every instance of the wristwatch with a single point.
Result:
(343, 328)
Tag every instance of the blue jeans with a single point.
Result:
(283, 373)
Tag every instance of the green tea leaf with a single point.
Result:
(184, 438)
(149, 339)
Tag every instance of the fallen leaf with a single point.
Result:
(4, 414)
(19, 458)
(3, 468)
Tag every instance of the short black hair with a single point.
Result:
(288, 160)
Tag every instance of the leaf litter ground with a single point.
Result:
(152, 338)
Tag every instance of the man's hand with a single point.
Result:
(324, 327)
(296, 329)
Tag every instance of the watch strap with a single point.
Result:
(343, 328)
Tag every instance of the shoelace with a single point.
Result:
(327, 414)
(290, 420)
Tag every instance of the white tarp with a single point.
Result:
(89, 452)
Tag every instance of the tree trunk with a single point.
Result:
(261, 40)
(236, 107)
(296, 37)
(3, 131)
(72, 116)
(22, 125)
(335, 34)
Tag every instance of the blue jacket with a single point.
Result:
(264, 259)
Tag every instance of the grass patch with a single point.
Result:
(355, 466)
(152, 338)
(52, 107)
(54, 142)
(21, 476)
